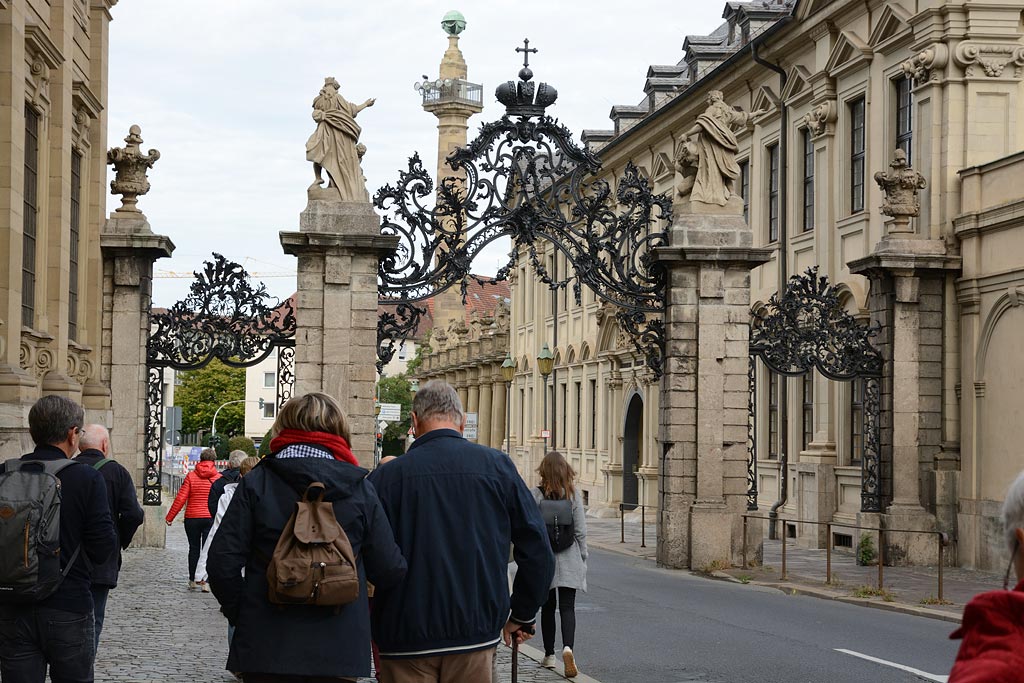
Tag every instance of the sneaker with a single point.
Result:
(192, 585)
(549, 662)
(206, 587)
(569, 662)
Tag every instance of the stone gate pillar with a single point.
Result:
(338, 246)
(704, 392)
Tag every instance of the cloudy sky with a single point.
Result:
(223, 89)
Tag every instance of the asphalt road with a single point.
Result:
(641, 623)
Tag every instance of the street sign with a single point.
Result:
(545, 433)
(471, 423)
(382, 427)
(392, 412)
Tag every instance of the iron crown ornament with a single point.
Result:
(525, 178)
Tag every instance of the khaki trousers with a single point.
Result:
(470, 667)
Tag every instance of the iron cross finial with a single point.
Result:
(526, 50)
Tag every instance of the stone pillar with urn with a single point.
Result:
(130, 247)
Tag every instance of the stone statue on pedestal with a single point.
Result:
(900, 185)
(130, 166)
(706, 156)
(334, 146)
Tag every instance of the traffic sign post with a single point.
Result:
(470, 432)
(392, 412)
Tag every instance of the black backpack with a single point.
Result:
(557, 514)
(30, 530)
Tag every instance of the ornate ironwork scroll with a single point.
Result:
(285, 374)
(527, 179)
(806, 327)
(752, 434)
(225, 316)
(395, 324)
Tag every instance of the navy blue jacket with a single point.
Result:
(455, 506)
(84, 521)
(298, 640)
(229, 475)
(125, 512)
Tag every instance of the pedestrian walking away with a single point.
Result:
(455, 507)
(194, 496)
(229, 475)
(992, 650)
(311, 475)
(561, 507)
(125, 512)
(46, 608)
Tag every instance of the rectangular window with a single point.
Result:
(745, 188)
(857, 155)
(30, 208)
(904, 110)
(76, 196)
(269, 410)
(593, 413)
(522, 415)
(269, 379)
(564, 423)
(856, 421)
(808, 181)
(808, 410)
(773, 192)
(579, 414)
(773, 416)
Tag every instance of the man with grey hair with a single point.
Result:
(455, 508)
(125, 511)
(229, 475)
(58, 630)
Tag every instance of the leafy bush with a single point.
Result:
(265, 445)
(242, 443)
(866, 554)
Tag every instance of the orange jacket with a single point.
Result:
(196, 491)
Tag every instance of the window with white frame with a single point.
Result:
(904, 110)
(808, 180)
(857, 154)
(807, 413)
(856, 442)
(269, 410)
(773, 192)
(269, 378)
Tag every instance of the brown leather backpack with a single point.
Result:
(313, 562)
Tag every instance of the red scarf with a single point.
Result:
(335, 444)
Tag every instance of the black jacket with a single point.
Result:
(298, 640)
(125, 512)
(230, 475)
(455, 506)
(84, 521)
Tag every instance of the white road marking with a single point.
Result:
(901, 667)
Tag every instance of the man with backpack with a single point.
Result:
(46, 608)
(125, 511)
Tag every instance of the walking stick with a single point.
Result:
(515, 659)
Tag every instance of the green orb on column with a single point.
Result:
(453, 23)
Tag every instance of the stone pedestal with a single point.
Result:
(704, 393)
(129, 249)
(338, 246)
(907, 282)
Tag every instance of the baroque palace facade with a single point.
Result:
(834, 89)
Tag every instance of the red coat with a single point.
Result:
(993, 639)
(196, 490)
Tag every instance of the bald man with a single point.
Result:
(124, 509)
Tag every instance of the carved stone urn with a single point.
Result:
(130, 166)
(900, 184)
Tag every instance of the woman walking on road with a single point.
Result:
(194, 495)
(562, 508)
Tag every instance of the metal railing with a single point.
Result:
(942, 540)
(456, 90)
(643, 522)
(171, 482)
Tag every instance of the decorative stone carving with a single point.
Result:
(821, 120)
(334, 146)
(38, 84)
(34, 355)
(130, 166)
(502, 316)
(707, 152)
(927, 64)
(900, 184)
(79, 364)
(993, 59)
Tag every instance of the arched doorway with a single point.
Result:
(632, 437)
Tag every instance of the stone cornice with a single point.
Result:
(752, 256)
(296, 243)
(977, 223)
(156, 246)
(38, 43)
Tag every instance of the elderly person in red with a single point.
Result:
(993, 626)
(195, 491)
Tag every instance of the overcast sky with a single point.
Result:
(224, 88)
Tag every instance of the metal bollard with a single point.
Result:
(744, 541)
(782, 577)
(881, 559)
(942, 542)
(643, 526)
(828, 554)
(622, 523)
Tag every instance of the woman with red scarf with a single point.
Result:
(294, 643)
(993, 625)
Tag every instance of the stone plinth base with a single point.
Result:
(908, 549)
(711, 535)
(816, 496)
(153, 532)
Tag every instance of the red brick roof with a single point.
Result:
(481, 299)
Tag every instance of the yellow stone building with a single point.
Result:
(838, 86)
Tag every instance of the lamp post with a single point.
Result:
(508, 372)
(545, 363)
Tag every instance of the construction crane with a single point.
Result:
(163, 274)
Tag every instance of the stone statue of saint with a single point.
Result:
(710, 148)
(333, 146)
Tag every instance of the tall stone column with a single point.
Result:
(484, 408)
(498, 413)
(704, 390)
(338, 246)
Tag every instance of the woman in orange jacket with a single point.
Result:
(193, 496)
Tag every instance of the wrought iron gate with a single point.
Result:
(227, 317)
(525, 178)
(806, 328)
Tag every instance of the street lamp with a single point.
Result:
(508, 372)
(545, 363)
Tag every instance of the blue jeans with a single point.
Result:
(32, 638)
(99, 607)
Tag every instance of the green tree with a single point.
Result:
(396, 390)
(422, 349)
(241, 443)
(204, 390)
(265, 445)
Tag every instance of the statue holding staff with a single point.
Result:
(333, 146)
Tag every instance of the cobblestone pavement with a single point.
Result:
(157, 631)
